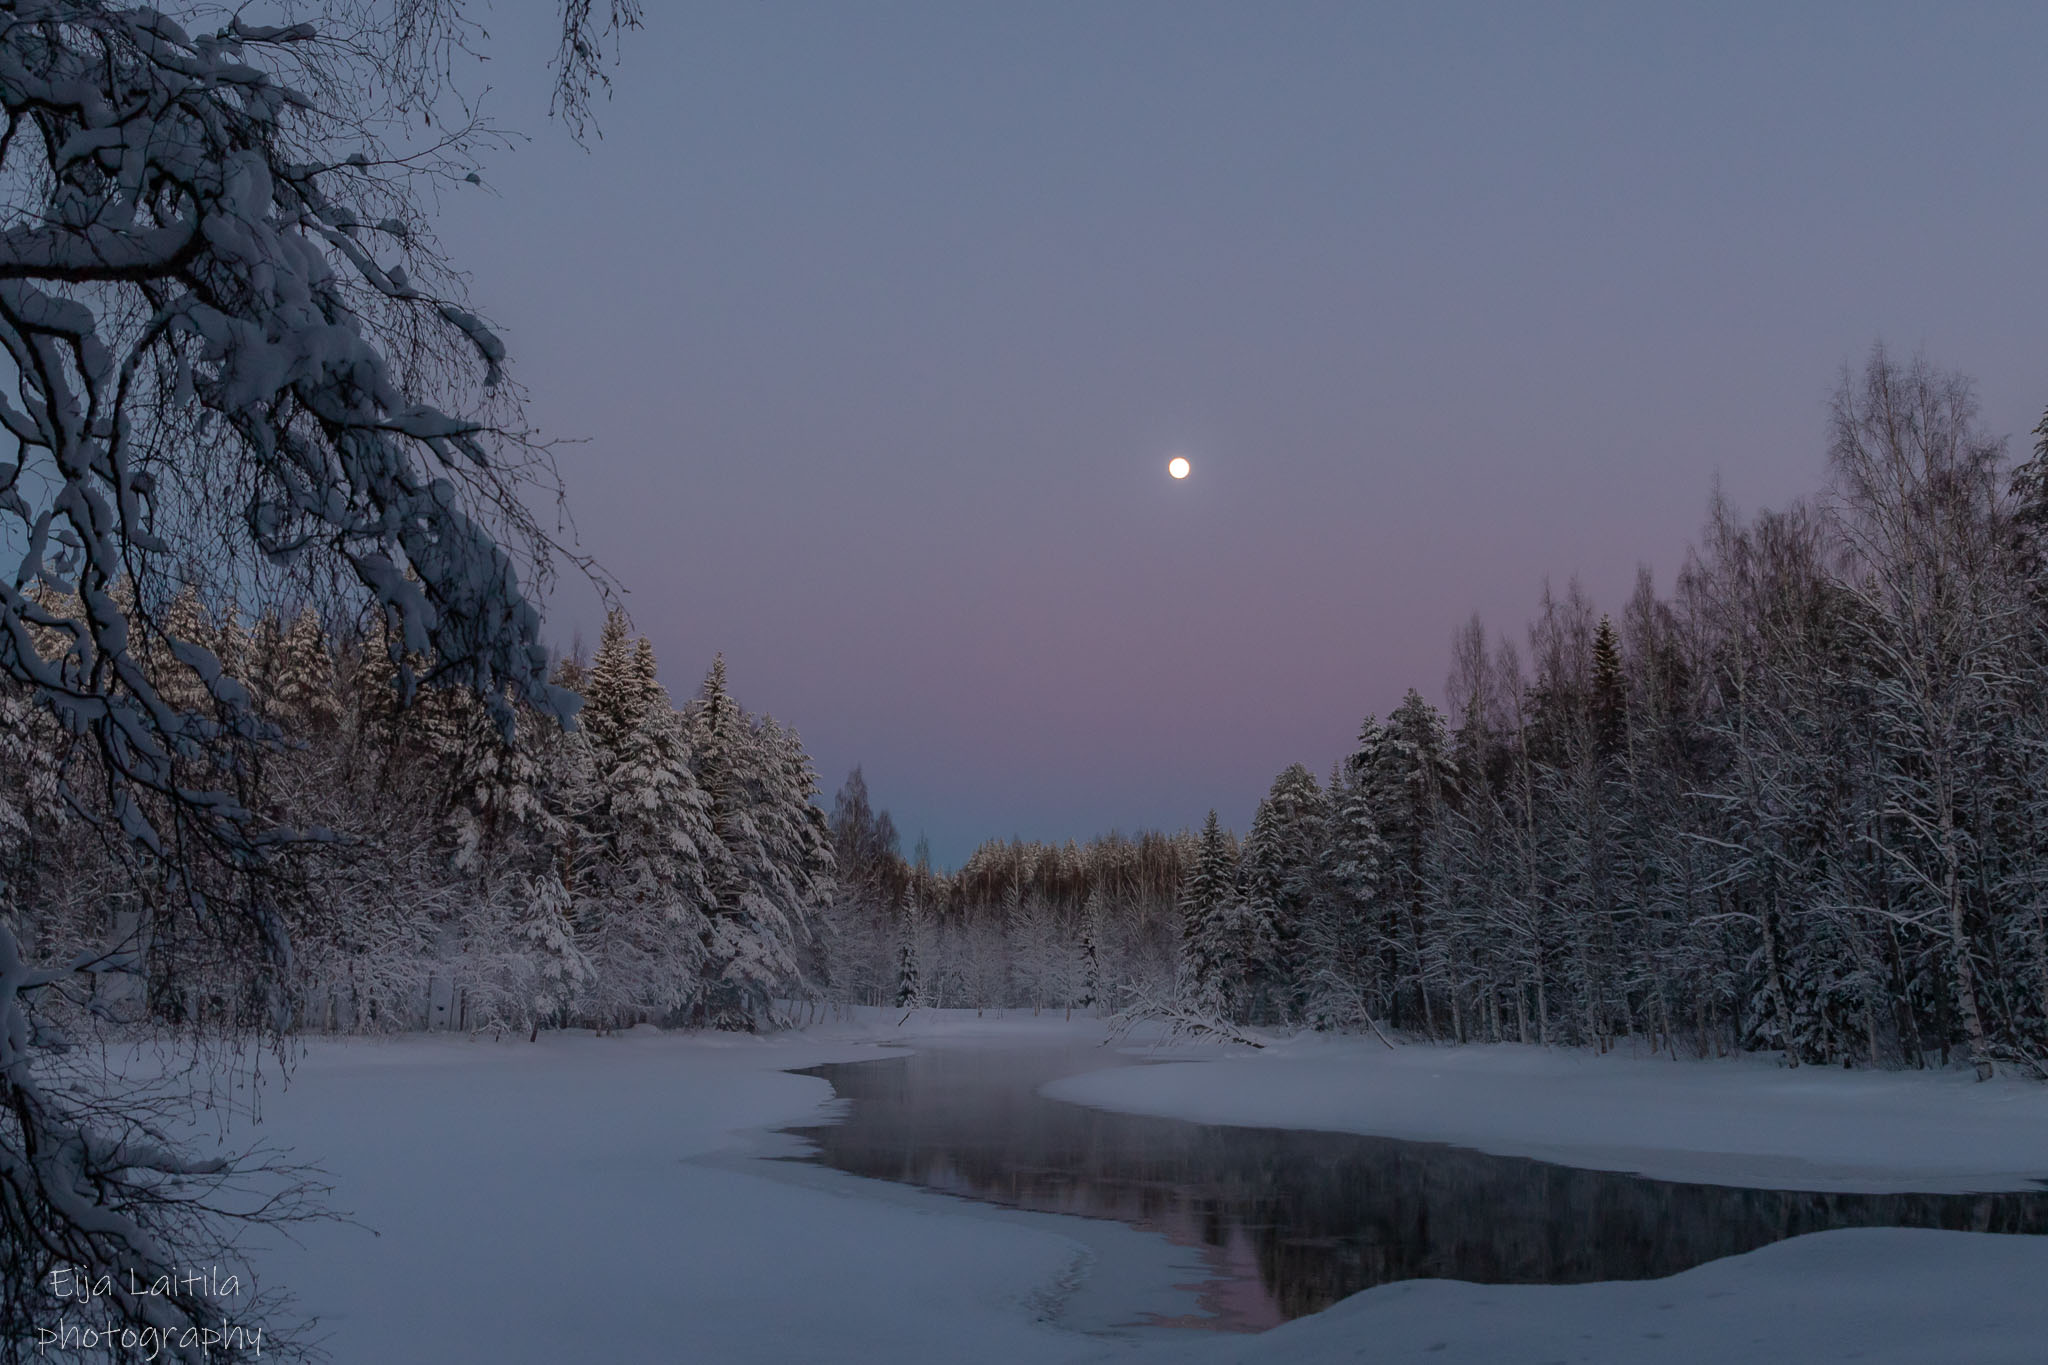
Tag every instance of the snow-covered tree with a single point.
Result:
(499, 791)
(234, 359)
(1036, 953)
(1279, 874)
(553, 969)
(1208, 910)
(1920, 508)
(649, 853)
(1342, 954)
(909, 975)
(300, 681)
(860, 941)
(1088, 992)
(760, 907)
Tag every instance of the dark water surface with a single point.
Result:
(1288, 1221)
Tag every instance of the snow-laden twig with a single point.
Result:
(1179, 1018)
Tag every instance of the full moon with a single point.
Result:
(1178, 466)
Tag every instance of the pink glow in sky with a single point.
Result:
(881, 322)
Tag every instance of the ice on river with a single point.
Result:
(581, 1198)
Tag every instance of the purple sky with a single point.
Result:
(882, 320)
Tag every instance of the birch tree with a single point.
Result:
(1918, 507)
(229, 345)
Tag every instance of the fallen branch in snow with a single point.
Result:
(1182, 1020)
(1373, 1024)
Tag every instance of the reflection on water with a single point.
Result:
(1290, 1222)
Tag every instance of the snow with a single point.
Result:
(539, 1203)
(597, 1198)
(1891, 1296)
(1740, 1121)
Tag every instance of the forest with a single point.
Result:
(295, 748)
(652, 864)
(1798, 804)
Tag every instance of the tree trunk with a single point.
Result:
(1959, 948)
(2041, 961)
(1909, 1022)
(1780, 1004)
(1421, 979)
(1592, 1007)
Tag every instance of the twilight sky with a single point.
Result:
(881, 322)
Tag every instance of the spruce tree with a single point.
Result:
(178, 675)
(611, 693)
(757, 914)
(1407, 776)
(1609, 700)
(1207, 907)
(1279, 871)
(498, 791)
(1343, 944)
(558, 970)
(909, 982)
(644, 854)
(302, 675)
(1090, 993)
(796, 845)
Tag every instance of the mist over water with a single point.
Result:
(1290, 1221)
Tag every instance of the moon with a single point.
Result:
(1178, 466)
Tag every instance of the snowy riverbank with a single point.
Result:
(568, 1200)
(1739, 1121)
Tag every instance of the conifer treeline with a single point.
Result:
(1019, 925)
(1801, 803)
(655, 863)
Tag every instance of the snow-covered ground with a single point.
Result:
(586, 1198)
(1741, 1121)
(1888, 1296)
(539, 1203)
